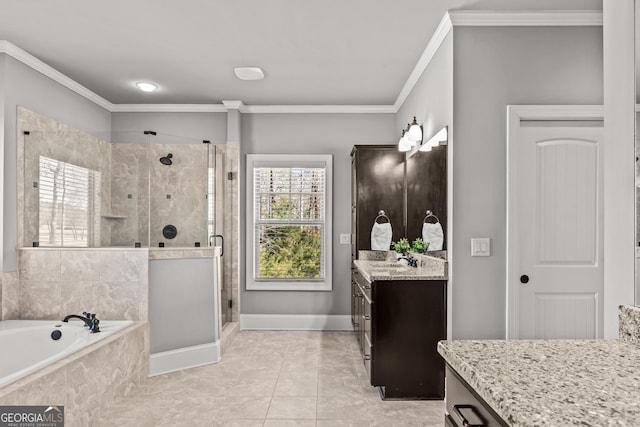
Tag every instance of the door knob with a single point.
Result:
(524, 279)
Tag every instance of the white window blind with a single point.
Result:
(69, 208)
(290, 223)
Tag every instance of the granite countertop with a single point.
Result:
(552, 382)
(384, 267)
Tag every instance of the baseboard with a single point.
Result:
(184, 358)
(295, 322)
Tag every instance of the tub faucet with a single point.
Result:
(89, 320)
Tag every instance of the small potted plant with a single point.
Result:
(419, 246)
(402, 246)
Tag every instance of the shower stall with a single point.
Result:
(133, 189)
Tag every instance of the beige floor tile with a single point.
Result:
(342, 423)
(297, 387)
(241, 407)
(235, 423)
(297, 408)
(272, 379)
(342, 407)
(290, 423)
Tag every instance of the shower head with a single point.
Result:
(166, 160)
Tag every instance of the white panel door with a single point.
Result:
(560, 232)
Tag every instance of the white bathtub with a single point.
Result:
(27, 346)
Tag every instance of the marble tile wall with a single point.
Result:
(87, 382)
(629, 323)
(113, 283)
(129, 218)
(178, 194)
(58, 141)
(9, 296)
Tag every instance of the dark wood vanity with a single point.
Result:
(398, 324)
(398, 313)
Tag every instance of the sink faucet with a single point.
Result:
(411, 261)
(89, 320)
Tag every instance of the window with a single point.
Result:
(289, 222)
(69, 206)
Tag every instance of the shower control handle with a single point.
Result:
(213, 237)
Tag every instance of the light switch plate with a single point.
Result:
(345, 239)
(480, 246)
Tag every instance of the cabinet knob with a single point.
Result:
(524, 279)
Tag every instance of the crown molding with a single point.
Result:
(450, 19)
(31, 61)
(169, 108)
(319, 109)
(526, 18)
(423, 62)
(482, 18)
(234, 105)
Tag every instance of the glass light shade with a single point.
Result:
(415, 134)
(404, 145)
(441, 136)
(425, 147)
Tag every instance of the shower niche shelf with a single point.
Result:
(114, 216)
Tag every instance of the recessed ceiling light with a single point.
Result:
(146, 86)
(249, 73)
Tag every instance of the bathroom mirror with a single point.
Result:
(78, 190)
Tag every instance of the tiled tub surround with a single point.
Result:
(112, 282)
(9, 295)
(32, 346)
(88, 381)
(555, 382)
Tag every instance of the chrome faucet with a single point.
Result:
(89, 320)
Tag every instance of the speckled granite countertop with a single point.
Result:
(553, 382)
(381, 268)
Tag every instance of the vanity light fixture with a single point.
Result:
(404, 145)
(146, 86)
(414, 134)
(440, 138)
(249, 73)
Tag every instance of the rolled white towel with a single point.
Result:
(381, 235)
(433, 234)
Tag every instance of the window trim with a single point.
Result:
(259, 160)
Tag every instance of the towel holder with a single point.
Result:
(430, 215)
(381, 214)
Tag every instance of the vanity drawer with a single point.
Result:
(464, 407)
(367, 356)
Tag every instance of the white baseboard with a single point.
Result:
(183, 358)
(295, 322)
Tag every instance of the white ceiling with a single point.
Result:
(322, 52)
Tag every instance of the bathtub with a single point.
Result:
(27, 345)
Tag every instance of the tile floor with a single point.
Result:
(273, 379)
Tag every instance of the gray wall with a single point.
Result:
(23, 86)
(431, 102)
(495, 67)
(194, 126)
(312, 134)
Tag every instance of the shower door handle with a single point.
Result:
(213, 237)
